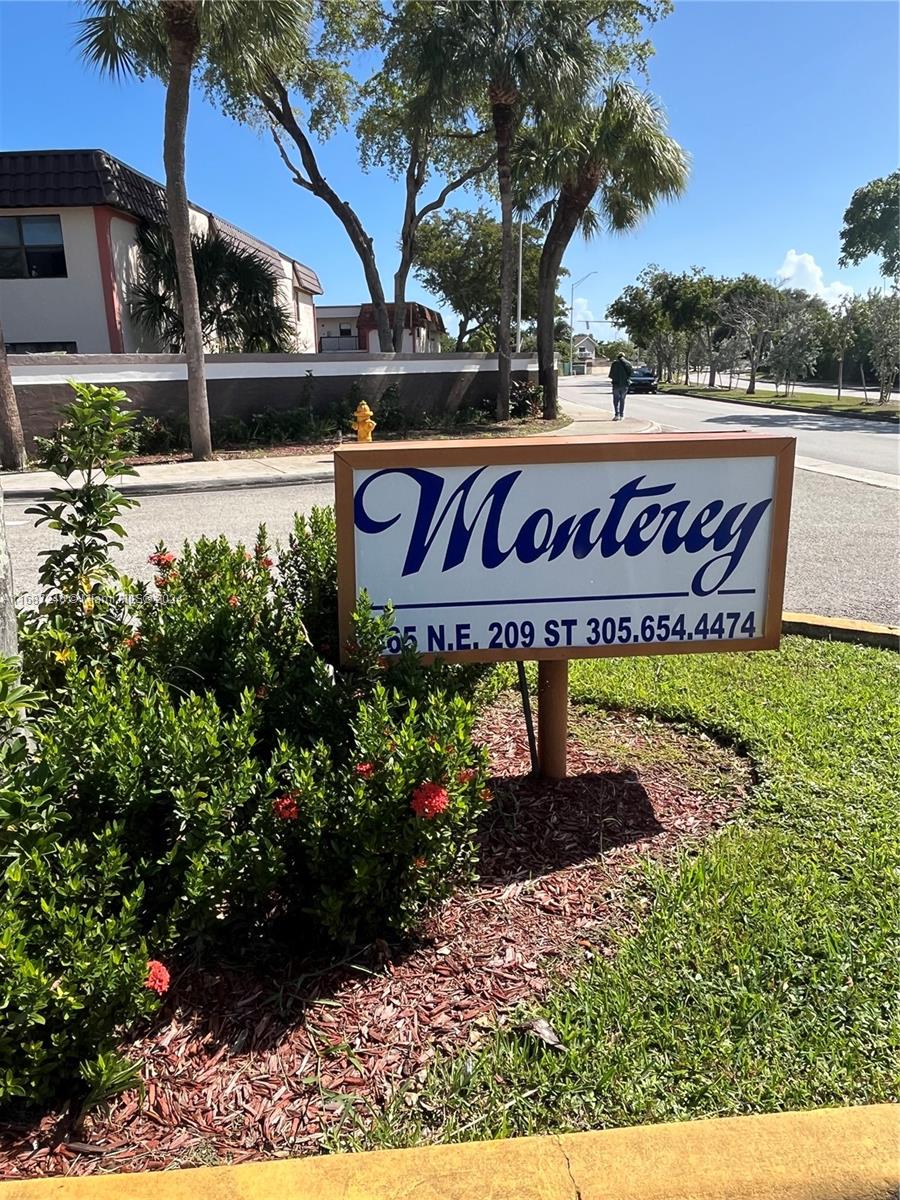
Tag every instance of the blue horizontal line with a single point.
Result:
(539, 600)
(736, 592)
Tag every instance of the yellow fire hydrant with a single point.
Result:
(363, 423)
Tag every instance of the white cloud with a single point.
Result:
(582, 313)
(802, 271)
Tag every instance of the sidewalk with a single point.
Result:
(272, 471)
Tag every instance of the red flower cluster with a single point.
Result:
(487, 795)
(366, 770)
(133, 640)
(233, 602)
(161, 559)
(429, 800)
(286, 806)
(160, 580)
(466, 775)
(266, 562)
(157, 978)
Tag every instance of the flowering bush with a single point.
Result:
(203, 771)
(372, 866)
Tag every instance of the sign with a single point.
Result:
(542, 548)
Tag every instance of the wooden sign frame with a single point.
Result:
(479, 452)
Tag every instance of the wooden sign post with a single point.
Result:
(557, 548)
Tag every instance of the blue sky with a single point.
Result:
(786, 106)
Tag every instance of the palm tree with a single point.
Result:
(608, 170)
(523, 60)
(12, 443)
(169, 39)
(237, 293)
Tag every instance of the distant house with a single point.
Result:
(68, 258)
(585, 347)
(344, 327)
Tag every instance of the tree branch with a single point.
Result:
(298, 175)
(441, 198)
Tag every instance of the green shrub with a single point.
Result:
(185, 788)
(372, 863)
(204, 773)
(73, 965)
(81, 610)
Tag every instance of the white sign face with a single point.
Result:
(568, 558)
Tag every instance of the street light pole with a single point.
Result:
(572, 319)
(519, 296)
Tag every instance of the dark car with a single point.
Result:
(642, 380)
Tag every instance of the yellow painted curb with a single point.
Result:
(829, 1154)
(842, 629)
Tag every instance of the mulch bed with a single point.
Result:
(242, 1067)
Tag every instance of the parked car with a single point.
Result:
(642, 380)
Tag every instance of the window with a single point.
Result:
(41, 348)
(31, 248)
(345, 331)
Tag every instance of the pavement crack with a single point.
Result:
(576, 1190)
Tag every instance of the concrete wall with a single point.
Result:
(126, 263)
(60, 310)
(239, 385)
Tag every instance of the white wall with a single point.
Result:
(306, 323)
(60, 310)
(122, 233)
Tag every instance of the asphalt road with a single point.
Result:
(844, 441)
(842, 559)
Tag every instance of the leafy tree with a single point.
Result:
(12, 442)
(606, 170)
(883, 311)
(171, 39)
(534, 63)
(750, 306)
(458, 260)
(795, 342)
(871, 225)
(401, 132)
(300, 89)
(237, 293)
(640, 312)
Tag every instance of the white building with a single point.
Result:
(343, 327)
(68, 220)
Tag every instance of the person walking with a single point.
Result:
(620, 374)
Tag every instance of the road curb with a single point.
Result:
(842, 629)
(15, 494)
(828, 1154)
(210, 485)
(825, 410)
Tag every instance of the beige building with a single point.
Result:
(68, 220)
(343, 327)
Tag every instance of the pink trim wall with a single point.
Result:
(102, 219)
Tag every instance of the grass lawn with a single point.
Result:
(850, 405)
(762, 975)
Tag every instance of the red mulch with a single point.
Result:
(242, 1067)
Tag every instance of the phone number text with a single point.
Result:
(574, 631)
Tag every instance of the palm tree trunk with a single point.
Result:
(687, 363)
(12, 443)
(503, 133)
(181, 30)
(8, 639)
(840, 380)
(569, 211)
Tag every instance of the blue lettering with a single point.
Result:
(624, 528)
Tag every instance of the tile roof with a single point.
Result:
(84, 178)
